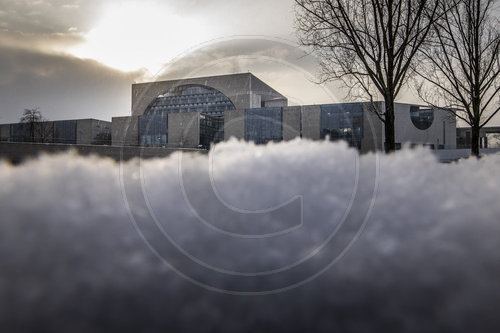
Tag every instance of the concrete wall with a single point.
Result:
(450, 155)
(372, 129)
(256, 101)
(84, 131)
(101, 132)
(311, 116)
(4, 132)
(125, 131)
(450, 128)
(266, 93)
(184, 130)
(291, 122)
(18, 152)
(279, 102)
(441, 132)
(234, 124)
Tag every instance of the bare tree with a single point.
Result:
(39, 129)
(368, 45)
(461, 64)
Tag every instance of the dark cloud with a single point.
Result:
(63, 87)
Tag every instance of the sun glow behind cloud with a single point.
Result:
(132, 35)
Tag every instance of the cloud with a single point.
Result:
(278, 62)
(156, 31)
(63, 86)
(427, 259)
(121, 33)
(66, 87)
(37, 36)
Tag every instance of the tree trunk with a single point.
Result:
(475, 140)
(390, 140)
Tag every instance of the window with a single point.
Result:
(421, 117)
(65, 131)
(342, 122)
(153, 129)
(211, 130)
(264, 125)
(197, 98)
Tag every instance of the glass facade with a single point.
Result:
(342, 122)
(207, 101)
(20, 132)
(264, 124)
(153, 128)
(211, 130)
(421, 117)
(191, 98)
(65, 131)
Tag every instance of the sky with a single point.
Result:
(77, 59)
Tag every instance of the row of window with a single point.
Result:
(211, 130)
(337, 121)
(153, 130)
(191, 99)
(61, 131)
(182, 108)
(54, 132)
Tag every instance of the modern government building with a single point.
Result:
(197, 112)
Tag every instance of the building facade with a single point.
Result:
(189, 112)
(77, 131)
(489, 137)
(195, 112)
(354, 123)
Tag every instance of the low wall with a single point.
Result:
(449, 155)
(17, 152)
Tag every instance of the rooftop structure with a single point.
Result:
(212, 95)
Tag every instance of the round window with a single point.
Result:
(421, 117)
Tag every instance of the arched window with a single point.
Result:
(191, 98)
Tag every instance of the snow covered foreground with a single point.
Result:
(299, 236)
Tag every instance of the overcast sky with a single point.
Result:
(78, 58)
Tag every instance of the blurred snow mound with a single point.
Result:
(427, 259)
